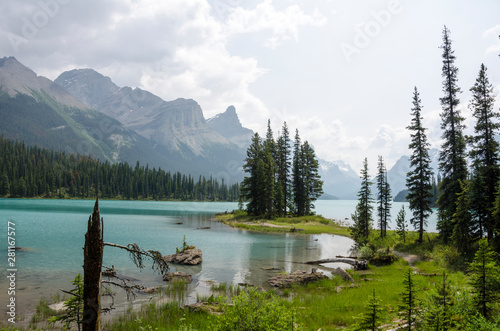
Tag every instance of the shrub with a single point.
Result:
(365, 253)
(254, 310)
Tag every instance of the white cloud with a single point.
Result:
(284, 25)
(493, 33)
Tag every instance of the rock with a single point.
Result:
(246, 284)
(149, 290)
(297, 277)
(342, 273)
(177, 276)
(191, 256)
(58, 307)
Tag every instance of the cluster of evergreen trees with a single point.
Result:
(29, 171)
(279, 181)
(468, 197)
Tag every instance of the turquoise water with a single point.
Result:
(342, 209)
(52, 231)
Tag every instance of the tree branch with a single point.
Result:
(137, 254)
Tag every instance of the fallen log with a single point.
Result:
(357, 264)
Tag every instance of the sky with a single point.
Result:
(341, 72)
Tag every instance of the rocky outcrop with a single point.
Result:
(192, 256)
(297, 277)
(177, 276)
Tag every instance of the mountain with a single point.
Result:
(339, 179)
(396, 176)
(38, 111)
(178, 125)
(228, 125)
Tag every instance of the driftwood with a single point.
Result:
(357, 264)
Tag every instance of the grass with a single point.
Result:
(313, 224)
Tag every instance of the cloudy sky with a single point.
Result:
(342, 72)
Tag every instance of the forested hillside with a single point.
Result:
(30, 171)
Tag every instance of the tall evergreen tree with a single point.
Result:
(485, 149)
(383, 196)
(418, 180)
(283, 164)
(313, 185)
(253, 185)
(452, 163)
(362, 216)
(298, 176)
(269, 157)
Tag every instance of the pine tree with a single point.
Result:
(485, 148)
(408, 299)
(418, 180)
(462, 220)
(401, 225)
(362, 216)
(485, 278)
(438, 317)
(283, 164)
(298, 177)
(371, 319)
(383, 197)
(313, 185)
(270, 171)
(479, 204)
(452, 163)
(253, 185)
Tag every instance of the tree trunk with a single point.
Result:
(92, 265)
(357, 264)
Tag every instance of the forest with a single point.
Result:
(30, 171)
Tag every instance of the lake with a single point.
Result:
(52, 232)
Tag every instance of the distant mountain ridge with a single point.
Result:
(35, 110)
(176, 124)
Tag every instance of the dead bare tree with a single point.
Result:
(92, 269)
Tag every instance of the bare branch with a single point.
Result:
(137, 254)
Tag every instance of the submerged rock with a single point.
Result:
(177, 276)
(297, 277)
(190, 256)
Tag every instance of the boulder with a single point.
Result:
(177, 276)
(190, 256)
(297, 277)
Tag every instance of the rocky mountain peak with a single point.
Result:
(228, 125)
(17, 78)
(87, 85)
